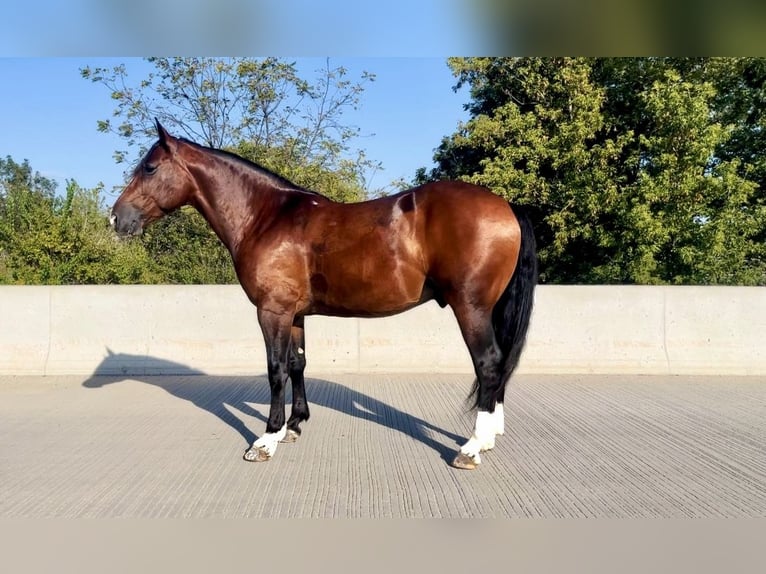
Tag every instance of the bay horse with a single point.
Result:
(298, 253)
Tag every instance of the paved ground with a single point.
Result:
(378, 446)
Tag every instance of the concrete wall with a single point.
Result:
(213, 329)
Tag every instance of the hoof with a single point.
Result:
(464, 462)
(290, 436)
(256, 454)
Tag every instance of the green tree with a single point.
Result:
(47, 238)
(26, 206)
(622, 163)
(741, 104)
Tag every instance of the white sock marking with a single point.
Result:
(499, 419)
(483, 437)
(269, 440)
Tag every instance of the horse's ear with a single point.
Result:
(163, 134)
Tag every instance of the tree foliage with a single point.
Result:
(47, 238)
(638, 170)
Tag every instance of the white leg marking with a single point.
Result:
(483, 437)
(268, 442)
(499, 418)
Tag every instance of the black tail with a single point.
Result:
(510, 316)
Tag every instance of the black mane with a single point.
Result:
(277, 179)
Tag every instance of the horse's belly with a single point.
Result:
(352, 295)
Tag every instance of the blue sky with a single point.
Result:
(48, 114)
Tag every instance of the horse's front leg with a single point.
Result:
(276, 333)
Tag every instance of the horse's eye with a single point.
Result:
(149, 169)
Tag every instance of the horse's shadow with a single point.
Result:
(226, 394)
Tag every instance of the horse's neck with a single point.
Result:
(231, 210)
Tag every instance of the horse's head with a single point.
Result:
(160, 184)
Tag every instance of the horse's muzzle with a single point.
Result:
(126, 220)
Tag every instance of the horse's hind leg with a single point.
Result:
(300, 411)
(476, 327)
